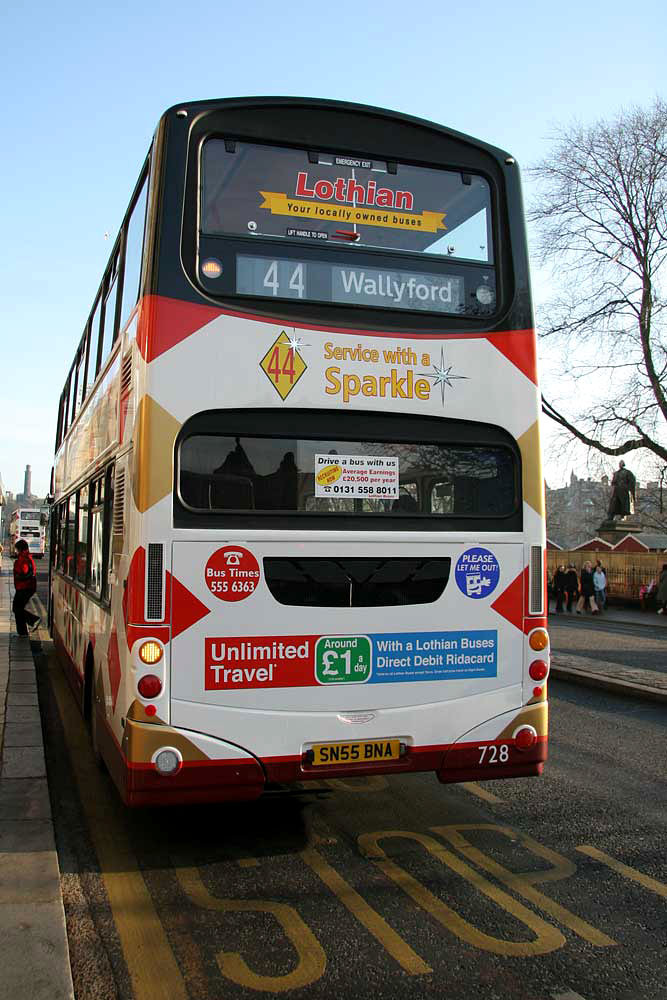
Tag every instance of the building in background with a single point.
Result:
(576, 511)
(2, 507)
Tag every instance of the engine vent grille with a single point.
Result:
(119, 503)
(126, 374)
(154, 582)
(536, 591)
(356, 583)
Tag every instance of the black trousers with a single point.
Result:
(23, 617)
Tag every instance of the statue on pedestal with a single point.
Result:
(622, 499)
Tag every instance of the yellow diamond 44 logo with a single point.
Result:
(283, 364)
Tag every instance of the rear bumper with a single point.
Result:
(215, 771)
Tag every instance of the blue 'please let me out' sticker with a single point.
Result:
(477, 573)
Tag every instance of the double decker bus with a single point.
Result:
(29, 524)
(299, 511)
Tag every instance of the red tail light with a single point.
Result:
(525, 738)
(149, 686)
(538, 670)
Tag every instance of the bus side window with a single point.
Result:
(55, 535)
(107, 329)
(70, 536)
(70, 396)
(93, 366)
(134, 242)
(79, 365)
(96, 536)
(62, 535)
(82, 536)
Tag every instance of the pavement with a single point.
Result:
(34, 955)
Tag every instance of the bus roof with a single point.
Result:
(199, 107)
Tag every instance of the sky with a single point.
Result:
(84, 85)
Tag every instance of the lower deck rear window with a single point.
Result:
(363, 475)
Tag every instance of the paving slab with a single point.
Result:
(24, 798)
(25, 713)
(23, 762)
(23, 836)
(21, 698)
(23, 681)
(34, 953)
(23, 734)
(29, 876)
(33, 966)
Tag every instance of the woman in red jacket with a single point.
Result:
(25, 583)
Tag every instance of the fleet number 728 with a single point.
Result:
(496, 754)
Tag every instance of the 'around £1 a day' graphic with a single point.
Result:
(477, 573)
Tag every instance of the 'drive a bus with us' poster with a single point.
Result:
(298, 528)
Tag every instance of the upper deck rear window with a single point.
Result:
(306, 196)
(315, 226)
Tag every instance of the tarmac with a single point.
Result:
(630, 681)
(34, 954)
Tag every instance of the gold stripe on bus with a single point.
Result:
(141, 740)
(154, 437)
(531, 469)
(536, 716)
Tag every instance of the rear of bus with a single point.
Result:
(31, 529)
(337, 563)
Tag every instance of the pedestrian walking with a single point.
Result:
(571, 585)
(661, 596)
(587, 589)
(600, 585)
(560, 587)
(25, 584)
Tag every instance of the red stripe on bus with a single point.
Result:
(165, 322)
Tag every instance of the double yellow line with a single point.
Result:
(150, 960)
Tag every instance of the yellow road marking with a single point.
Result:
(481, 793)
(392, 942)
(312, 959)
(523, 882)
(150, 960)
(547, 937)
(631, 873)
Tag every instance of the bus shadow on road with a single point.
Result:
(274, 824)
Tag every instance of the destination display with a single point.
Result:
(321, 281)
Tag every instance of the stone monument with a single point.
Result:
(621, 506)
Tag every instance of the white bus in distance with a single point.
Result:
(29, 524)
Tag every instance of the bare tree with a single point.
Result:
(601, 220)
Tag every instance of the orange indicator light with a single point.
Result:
(539, 639)
(150, 652)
